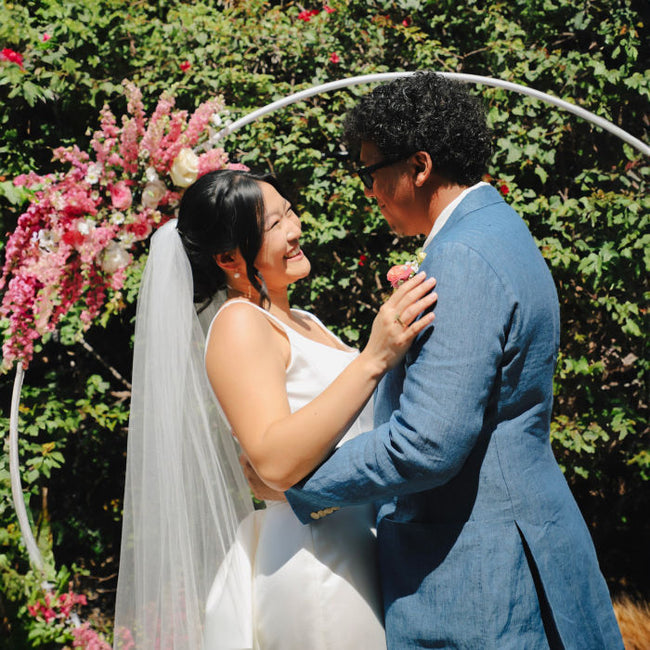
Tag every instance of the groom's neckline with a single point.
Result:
(447, 211)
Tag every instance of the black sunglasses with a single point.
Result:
(365, 173)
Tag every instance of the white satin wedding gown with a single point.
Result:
(289, 586)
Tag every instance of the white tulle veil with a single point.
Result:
(185, 494)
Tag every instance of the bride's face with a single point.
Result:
(280, 259)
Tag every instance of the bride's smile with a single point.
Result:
(280, 260)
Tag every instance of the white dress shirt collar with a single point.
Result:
(447, 210)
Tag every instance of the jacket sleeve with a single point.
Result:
(448, 379)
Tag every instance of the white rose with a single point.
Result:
(47, 240)
(93, 173)
(185, 168)
(114, 258)
(85, 227)
(151, 174)
(153, 192)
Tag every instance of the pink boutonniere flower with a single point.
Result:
(400, 273)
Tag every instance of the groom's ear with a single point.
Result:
(423, 167)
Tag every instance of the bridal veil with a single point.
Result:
(185, 494)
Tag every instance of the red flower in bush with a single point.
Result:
(504, 189)
(335, 58)
(407, 21)
(12, 57)
(307, 14)
(185, 66)
(46, 37)
(362, 259)
(73, 237)
(327, 9)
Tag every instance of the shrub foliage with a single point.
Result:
(582, 192)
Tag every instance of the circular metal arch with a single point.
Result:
(469, 78)
(14, 463)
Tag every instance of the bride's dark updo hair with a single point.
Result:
(220, 212)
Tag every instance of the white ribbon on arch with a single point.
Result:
(14, 466)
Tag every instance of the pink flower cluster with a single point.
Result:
(88, 639)
(72, 245)
(56, 607)
(400, 273)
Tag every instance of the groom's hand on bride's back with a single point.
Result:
(259, 489)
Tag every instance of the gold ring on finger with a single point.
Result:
(399, 320)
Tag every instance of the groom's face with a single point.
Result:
(393, 190)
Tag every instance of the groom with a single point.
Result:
(481, 545)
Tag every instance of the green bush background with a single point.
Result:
(582, 192)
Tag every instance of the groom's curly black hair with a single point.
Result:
(424, 112)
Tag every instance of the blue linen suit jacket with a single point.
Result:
(476, 525)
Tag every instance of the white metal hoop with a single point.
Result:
(14, 470)
(14, 467)
(460, 76)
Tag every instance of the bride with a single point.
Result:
(290, 391)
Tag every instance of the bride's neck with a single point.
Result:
(279, 300)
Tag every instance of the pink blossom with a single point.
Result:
(55, 257)
(46, 37)
(238, 166)
(121, 197)
(199, 121)
(185, 66)
(27, 180)
(141, 229)
(12, 56)
(126, 638)
(171, 143)
(399, 273)
(334, 58)
(211, 160)
(156, 129)
(328, 9)
(85, 637)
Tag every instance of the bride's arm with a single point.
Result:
(246, 363)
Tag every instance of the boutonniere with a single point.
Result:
(400, 273)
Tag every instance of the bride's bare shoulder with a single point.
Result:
(238, 320)
(241, 327)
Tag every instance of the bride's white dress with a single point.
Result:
(289, 586)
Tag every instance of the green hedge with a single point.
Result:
(582, 192)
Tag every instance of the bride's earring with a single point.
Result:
(236, 275)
